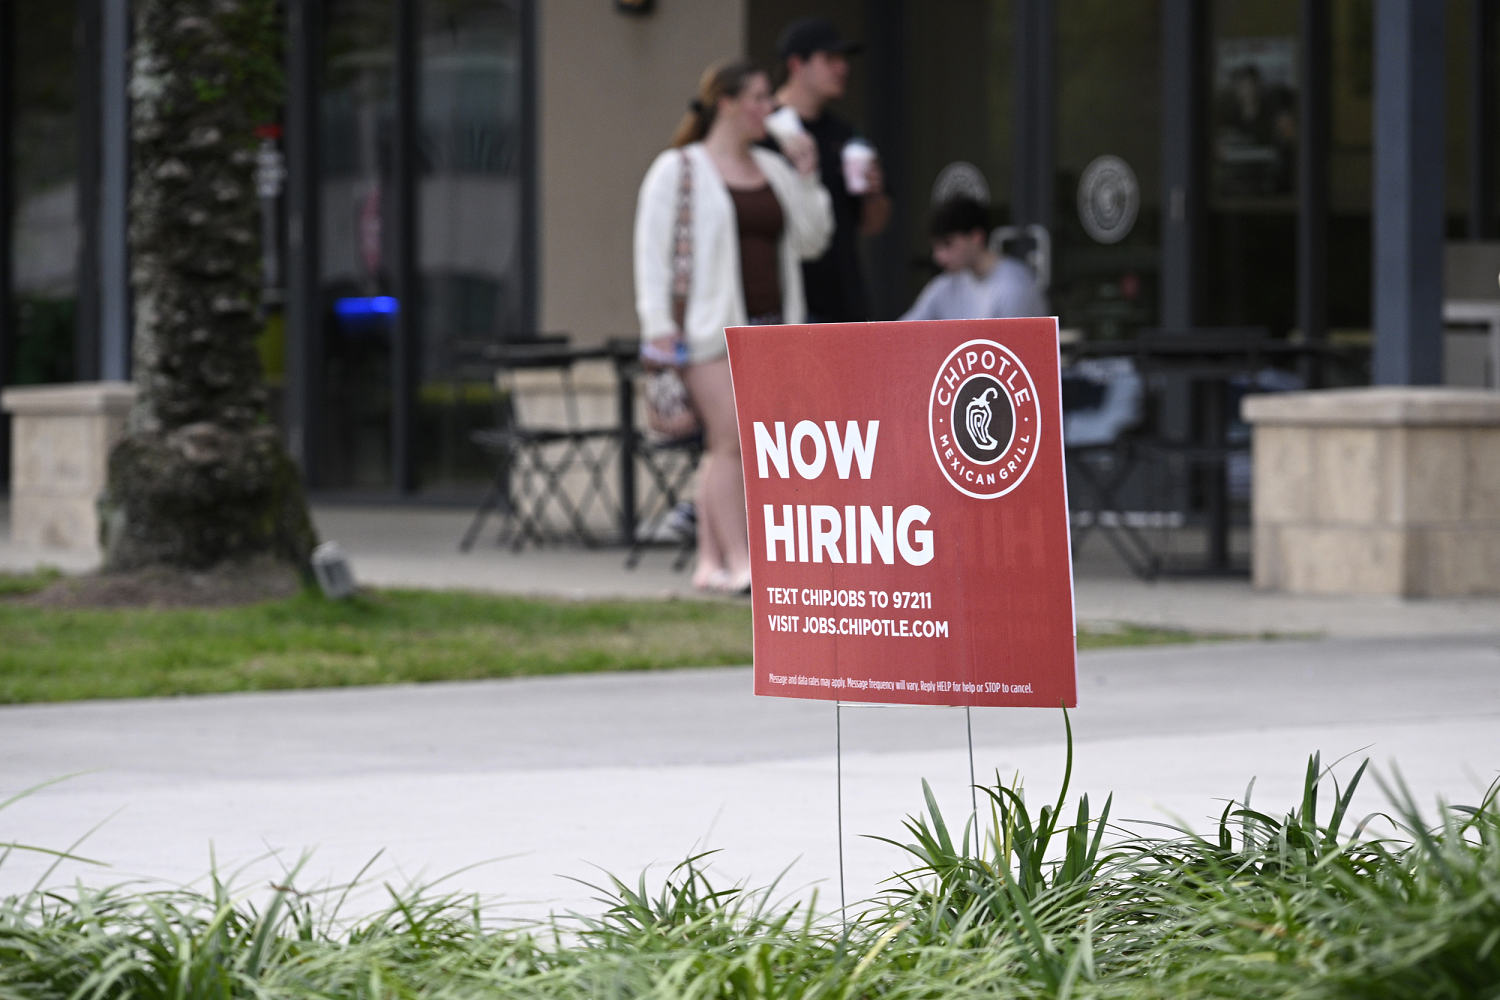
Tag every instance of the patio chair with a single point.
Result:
(548, 459)
(1103, 403)
(669, 464)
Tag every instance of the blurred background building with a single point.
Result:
(451, 173)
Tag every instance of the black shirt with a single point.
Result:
(833, 283)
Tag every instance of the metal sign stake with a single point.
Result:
(973, 785)
(838, 749)
(838, 754)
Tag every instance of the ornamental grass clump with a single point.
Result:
(1012, 864)
(1288, 906)
(1313, 903)
(1297, 906)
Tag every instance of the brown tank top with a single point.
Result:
(758, 215)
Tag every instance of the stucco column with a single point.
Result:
(1383, 490)
(61, 436)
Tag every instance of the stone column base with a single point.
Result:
(61, 436)
(1383, 490)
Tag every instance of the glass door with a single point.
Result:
(469, 227)
(44, 232)
(959, 128)
(408, 299)
(353, 437)
(1249, 240)
(1106, 245)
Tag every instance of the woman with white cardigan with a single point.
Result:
(752, 218)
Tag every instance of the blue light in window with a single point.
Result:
(365, 306)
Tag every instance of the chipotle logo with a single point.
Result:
(983, 419)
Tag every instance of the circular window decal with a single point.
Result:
(960, 179)
(1108, 199)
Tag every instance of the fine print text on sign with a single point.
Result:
(907, 511)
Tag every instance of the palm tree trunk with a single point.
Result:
(200, 476)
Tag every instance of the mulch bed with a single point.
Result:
(225, 585)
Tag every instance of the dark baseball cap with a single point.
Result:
(814, 34)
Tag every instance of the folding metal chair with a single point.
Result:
(1103, 401)
(1101, 470)
(669, 466)
(547, 458)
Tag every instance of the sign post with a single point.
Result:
(907, 512)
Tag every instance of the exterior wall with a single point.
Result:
(611, 88)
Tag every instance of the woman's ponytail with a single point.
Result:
(723, 79)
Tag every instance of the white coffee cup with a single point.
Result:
(783, 123)
(859, 156)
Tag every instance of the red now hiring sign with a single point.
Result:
(907, 511)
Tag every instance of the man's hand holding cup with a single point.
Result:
(785, 126)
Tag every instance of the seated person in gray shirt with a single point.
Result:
(977, 282)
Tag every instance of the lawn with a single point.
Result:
(378, 637)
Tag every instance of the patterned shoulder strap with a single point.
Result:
(682, 232)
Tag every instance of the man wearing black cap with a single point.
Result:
(815, 57)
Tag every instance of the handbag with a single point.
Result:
(669, 407)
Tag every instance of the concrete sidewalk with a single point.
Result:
(537, 781)
(541, 781)
(418, 547)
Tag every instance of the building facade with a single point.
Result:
(451, 173)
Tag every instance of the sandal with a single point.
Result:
(714, 581)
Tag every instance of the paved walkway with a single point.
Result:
(422, 552)
(418, 547)
(538, 781)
